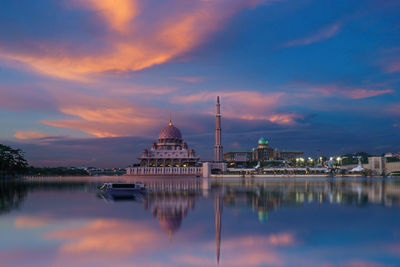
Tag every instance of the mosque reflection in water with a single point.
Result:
(171, 201)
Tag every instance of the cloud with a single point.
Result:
(103, 116)
(364, 263)
(353, 93)
(245, 105)
(28, 135)
(117, 13)
(25, 97)
(323, 34)
(393, 109)
(189, 79)
(156, 37)
(393, 67)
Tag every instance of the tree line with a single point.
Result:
(13, 163)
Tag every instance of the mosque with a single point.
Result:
(169, 151)
(171, 156)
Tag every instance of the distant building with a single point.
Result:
(392, 155)
(290, 155)
(389, 155)
(263, 152)
(238, 158)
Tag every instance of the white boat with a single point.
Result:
(123, 187)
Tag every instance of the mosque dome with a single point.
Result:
(262, 141)
(170, 132)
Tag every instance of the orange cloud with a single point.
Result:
(27, 135)
(318, 37)
(173, 33)
(105, 116)
(118, 13)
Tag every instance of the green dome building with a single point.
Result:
(262, 141)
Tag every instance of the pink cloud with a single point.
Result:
(245, 105)
(189, 79)
(285, 118)
(393, 109)
(393, 67)
(323, 34)
(363, 263)
(353, 93)
(280, 239)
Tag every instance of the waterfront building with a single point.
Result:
(238, 158)
(169, 151)
(263, 152)
(290, 155)
(170, 155)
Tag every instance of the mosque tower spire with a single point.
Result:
(218, 149)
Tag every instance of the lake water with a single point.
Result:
(201, 222)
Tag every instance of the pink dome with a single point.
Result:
(170, 132)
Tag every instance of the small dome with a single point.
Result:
(145, 150)
(262, 141)
(170, 132)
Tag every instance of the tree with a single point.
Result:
(12, 161)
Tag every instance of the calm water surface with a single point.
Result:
(201, 222)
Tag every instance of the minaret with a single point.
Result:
(218, 149)
(218, 212)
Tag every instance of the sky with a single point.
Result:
(92, 82)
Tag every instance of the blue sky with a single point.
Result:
(309, 75)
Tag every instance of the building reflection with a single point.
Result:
(218, 206)
(170, 201)
(169, 208)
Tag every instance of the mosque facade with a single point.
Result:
(171, 155)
